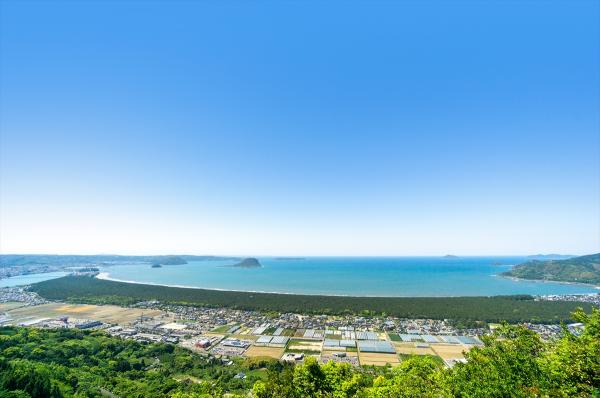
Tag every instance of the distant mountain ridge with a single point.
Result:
(551, 256)
(10, 260)
(169, 260)
(583, 269)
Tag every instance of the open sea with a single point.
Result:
(352, 276)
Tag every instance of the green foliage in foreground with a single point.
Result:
(461, 309)
(66, 362)
(513, 363)
(584, 269)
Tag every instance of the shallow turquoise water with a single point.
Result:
(371, 276)
(29, 279)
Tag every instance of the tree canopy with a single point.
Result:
(513, 362)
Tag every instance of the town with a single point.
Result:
(227, 333)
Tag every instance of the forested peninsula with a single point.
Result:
(583, 269)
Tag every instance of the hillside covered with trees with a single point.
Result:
(514, 362)
(584, 269)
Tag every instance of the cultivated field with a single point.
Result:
(299, 332)
(10, 305)
(410, 348)
(221, 329)
(104, 313)
(251, 337)
(272, 352)
(378, 359)
(449, 351)
(304, 345)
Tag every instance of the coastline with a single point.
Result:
(106, 276)
(515, 308)
(516, 279)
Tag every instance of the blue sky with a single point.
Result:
(301, 128)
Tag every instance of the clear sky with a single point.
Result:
(300, 128)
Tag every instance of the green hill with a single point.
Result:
(584, 269)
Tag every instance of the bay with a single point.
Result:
(28, 279)
(351, 276)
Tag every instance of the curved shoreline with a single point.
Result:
(106, 276)
(516, 279)
(513, 309)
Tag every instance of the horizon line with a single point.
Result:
(300, 256)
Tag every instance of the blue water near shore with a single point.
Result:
(352, 276)
(29, 279)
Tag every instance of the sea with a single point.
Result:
(343, 276)
(29, 279)
(350, 276)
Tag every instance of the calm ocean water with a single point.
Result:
(29, 279)
(370, 276)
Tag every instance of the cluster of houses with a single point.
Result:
(21, 295)
(592, 298)
(228, 332)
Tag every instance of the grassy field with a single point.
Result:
(85, 289)
(258, 373)
(10, 305)
(305, 352)
(394, 337)
(221, 329)
(404, 357)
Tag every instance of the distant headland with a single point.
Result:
(584, 269)
(551, 256)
